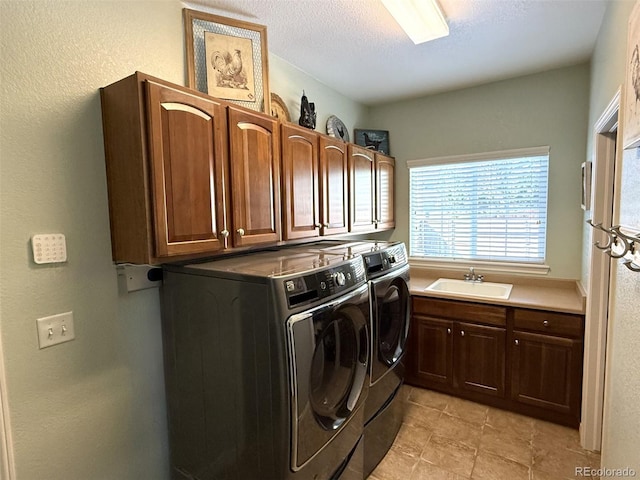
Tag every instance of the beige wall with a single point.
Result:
(548, 108)
(92, 408)
(621, 428)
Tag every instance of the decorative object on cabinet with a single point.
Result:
(336, 128)
(631, 126)
(227, 58)
(377, 140)
(307, 113)
(586, 185)
(620, 245)
(279, 108)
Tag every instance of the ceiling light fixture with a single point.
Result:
(422, 20)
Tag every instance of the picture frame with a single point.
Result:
(377, 140)
(227, 59)
(631, 119)
(586, 185)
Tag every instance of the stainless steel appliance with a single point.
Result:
(266, 361)
(388, 277)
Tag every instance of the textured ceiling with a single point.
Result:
(357, 48)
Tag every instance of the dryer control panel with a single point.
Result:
(321, 284)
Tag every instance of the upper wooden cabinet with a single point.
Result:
(334, 186)
(166, 155)
(362, 175)
(371, 190)
(189, 175)
(385, 192)
(255, 177)
(300, 171)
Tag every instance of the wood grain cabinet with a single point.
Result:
(529, 361)
(334, 186)
(187, 174)
(255, 177)
(300, 172)
(457, 347)
(385, 192)
(371, 190)
(546, 361)
(166, 157)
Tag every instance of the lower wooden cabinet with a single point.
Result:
(529, 361)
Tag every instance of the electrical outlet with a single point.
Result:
(55, 329)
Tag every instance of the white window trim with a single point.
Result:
(479, 157)
(486, 265)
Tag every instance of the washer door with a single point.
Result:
(391, 324)
(328, 354)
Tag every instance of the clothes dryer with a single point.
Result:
(266, 361)
(387, 270)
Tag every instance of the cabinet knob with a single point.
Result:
(517, 342)
(449, 331)
(240, 232)
(224, 233)
(325, 225)
(545, 323)
(318, 225)
(462, 333)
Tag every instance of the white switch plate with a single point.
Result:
(55, 329)
(49, 248)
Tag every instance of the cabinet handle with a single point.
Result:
(462, 333)
(240, 232)
(449, 331)
(224, 233)
(517, 342)
(545, 323)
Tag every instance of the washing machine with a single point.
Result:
(266, 366)
(387, 268)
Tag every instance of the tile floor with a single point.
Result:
(445, 437)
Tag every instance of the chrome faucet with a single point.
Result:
(472, 277)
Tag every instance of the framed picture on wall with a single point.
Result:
(227, 59)
(631, 121)
(377, 140)
(586, 185)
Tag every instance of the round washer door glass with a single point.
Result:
(338, 360)
(393, 321)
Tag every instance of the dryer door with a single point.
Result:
(328, 354)
(390, 323)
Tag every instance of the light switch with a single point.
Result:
(49, 248)
(55, 329)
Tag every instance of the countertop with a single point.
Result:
(556, 295)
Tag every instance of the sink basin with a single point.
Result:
(463, 288)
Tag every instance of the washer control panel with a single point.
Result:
(324, 283)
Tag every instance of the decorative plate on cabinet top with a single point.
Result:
(337, 129)
(279, 108)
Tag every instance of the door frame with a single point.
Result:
(7, 465)
(605, 157)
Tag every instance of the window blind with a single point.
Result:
(488, 209)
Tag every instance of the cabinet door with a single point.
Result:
(255, 177)
(385, 192)
(334, 186)
(547, 372)
(479, 359)
(188, 154)
(361, 189)
(301, 212)
(430, 352)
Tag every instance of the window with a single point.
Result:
(480, 207)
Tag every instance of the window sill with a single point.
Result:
(484, 267)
